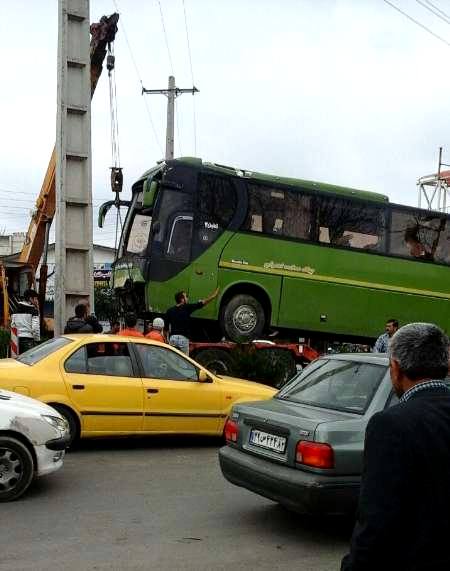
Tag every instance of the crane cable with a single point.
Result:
(116, 169)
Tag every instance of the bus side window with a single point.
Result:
(350, 224)
(179, 246)
(278, 212)
(415, 234)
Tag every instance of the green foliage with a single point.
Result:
(270, 366)
(4, 342)
(106, 304)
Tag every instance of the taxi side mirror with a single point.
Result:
(203, 377)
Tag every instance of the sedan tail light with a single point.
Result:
(231, 431)
(314, 454)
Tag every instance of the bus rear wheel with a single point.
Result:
(243, 318)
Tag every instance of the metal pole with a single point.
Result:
(170, 141)
(172, 92)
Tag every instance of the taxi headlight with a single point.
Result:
(58, 423)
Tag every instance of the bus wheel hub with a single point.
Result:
(245, 318)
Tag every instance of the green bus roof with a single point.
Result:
(293, 182)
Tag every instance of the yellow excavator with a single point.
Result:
(18, 272)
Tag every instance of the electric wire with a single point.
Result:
(192, 77)
(438, 9)
(155, 133)
(165, 37)
(417, 22)
(444, 18)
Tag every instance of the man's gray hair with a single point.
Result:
(421, 350)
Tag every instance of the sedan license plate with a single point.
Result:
(268, 441)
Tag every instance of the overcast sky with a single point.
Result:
(349, 92)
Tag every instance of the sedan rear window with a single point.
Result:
(340, 385)
(43, 350)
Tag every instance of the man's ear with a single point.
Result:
(394, 370)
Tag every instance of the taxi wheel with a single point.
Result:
(16, 468)
(72, 421)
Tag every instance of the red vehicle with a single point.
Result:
(263, 361)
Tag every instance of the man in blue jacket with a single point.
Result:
(403, 518)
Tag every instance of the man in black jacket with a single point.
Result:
(403, 518)
(82, 322)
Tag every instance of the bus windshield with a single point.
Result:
(140, 226)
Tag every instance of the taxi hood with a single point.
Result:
(233, 383)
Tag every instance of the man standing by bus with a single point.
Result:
(382, 343)
(178, 319)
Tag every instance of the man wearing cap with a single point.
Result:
(157, 331)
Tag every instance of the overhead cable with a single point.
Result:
(192, 77)
(155, 133)
(165, 37)
(417, 22)
(433, 11)
(437, 9)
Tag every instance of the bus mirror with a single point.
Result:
(103, 211)
(105, 208)
(150, 188)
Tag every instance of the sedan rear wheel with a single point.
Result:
(16, 468)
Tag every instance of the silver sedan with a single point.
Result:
(304, 447)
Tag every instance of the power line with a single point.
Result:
(140, 81)
(433, 11)
(417, 22)
(438, 9)
(192, 77)
(165, 37)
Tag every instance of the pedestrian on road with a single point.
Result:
(115, 328)
(82, 322)
(157, 331)
(403, 521)
(382, 343)
(25, 319)
(178, 319)
(130, 326)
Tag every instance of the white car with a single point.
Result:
(33, 439)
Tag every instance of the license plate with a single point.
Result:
(268, 441)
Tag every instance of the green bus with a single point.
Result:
(290, 254)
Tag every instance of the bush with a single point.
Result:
(270, 366)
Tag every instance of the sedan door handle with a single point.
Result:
(78, 387)
(153, 391)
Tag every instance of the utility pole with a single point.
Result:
(172, 92)
(73, 256)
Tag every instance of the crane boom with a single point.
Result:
(102, 34)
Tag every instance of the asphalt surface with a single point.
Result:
(157, 504)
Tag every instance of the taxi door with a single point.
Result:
(174, 400)
(103, 383)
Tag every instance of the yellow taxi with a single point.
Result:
(106, 385)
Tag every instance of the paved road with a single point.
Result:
(157, 504)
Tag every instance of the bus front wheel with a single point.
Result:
(243, 318)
